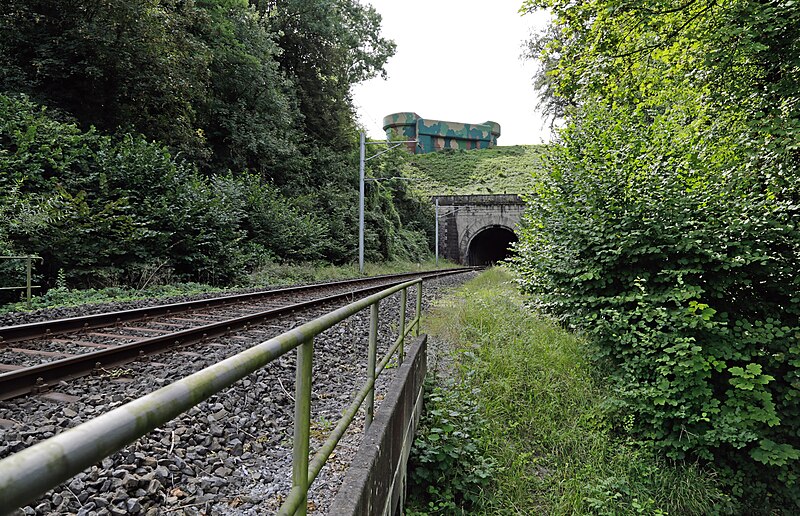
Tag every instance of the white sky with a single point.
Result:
(459, 61)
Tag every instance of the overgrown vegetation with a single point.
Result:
(195, 140)
(481, 171)
(539, 411)
(266, 275)
(309, 272)
(666, 226)
(450, 468)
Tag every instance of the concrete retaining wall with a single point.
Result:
(375, 483)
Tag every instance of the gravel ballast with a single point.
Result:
(230, 454)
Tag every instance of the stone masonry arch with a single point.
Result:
(497, 238)
(463, 217)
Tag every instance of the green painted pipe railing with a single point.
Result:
(28, 272)
(30, 473)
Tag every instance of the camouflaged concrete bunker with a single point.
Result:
(435, 135)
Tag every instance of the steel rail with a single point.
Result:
(20, 332)
(34, 470)
(39, 377)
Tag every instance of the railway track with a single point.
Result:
(35, 356)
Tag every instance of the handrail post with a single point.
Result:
(419, 306)
(371, 359)
(403, 302)
(29, 259)
(302, 421)
(29, 286)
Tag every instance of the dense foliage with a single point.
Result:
(114, 210)
(192, 138)
(227, 84)
(448, 466)
(666, 227)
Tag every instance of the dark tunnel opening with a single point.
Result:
(491, 245)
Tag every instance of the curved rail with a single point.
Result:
(20, 332)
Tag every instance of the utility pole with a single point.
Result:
(436, 245)
(361, 207)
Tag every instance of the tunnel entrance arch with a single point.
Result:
(461, 220)
(490, 245)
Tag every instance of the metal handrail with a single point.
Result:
(33, 471)
(29, 266)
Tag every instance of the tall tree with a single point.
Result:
(200, 76)
(111, 63)
(250, 119)
(327, 47)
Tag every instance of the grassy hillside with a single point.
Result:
(480, 171)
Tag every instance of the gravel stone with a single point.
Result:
(133, 505)
(230, 454)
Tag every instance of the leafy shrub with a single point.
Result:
(543, 407)
(683, 269)
(284, 226)
(114, 210)
(448, 467)
(111, 206)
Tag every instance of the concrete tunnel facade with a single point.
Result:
(478, 229)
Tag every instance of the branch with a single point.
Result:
(671, 35)
(668, 11)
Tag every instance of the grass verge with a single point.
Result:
(505, 169)
(543, 420)
(290, 274)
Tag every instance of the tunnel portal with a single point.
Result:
(491, 245)
(476, 229)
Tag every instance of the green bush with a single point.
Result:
(111, 206)
(115, 210)
(683, 269)
(542, 407)
(281, 225)
(448, 467)
(225, 138)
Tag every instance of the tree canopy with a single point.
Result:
(132, 121)
(227, 84)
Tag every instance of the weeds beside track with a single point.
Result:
(544, 416)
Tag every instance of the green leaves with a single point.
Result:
(248, 136)
(749, 377)
(666, 229)
(448, 461)
(774, 454)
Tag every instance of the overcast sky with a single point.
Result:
(456, 60)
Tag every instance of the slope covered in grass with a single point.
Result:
(480, 171)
